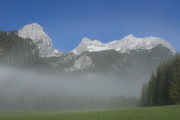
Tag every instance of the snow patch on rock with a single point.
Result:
(55, 53)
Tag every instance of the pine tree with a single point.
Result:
(163, 92)
(174, 88)
(156, 86)
(144, 101)
(164, 87)
(150, 91)
(166, 92)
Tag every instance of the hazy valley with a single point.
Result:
(35, 76)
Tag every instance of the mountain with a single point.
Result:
(19, 52)
(119, 56)
(135, 61)
(35, 32)
(118, 68)
(124, 45)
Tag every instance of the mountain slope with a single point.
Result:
(135, 62)
(19, 52)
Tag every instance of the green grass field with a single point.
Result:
(148, 113)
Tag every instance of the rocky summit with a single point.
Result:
(35, 32)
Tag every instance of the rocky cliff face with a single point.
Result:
(40, 38)
(81, 63)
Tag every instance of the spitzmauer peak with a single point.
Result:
(35, 32)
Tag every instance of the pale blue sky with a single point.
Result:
(68, 21)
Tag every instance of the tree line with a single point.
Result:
(66, 103)
(164, 86)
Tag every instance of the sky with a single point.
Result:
(68, 21)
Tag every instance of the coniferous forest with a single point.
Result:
(164, 86)
(19, 52)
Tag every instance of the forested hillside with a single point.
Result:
(19, 52)
(164, 86)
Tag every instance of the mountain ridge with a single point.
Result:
(90, 54)
(123, 45)
(35, 32)
(112, 60)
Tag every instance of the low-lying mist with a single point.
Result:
(22, 89)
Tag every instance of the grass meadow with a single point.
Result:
(145, 113)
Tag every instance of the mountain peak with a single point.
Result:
(130, 36)
(35, 32)
(85, 39)
(34, 26)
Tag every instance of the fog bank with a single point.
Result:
(26, 86)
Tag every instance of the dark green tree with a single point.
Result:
(144, 100)
(150, 91)
(164, 86)
(174, 89)
(156, 86)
